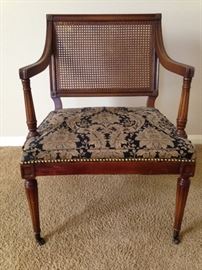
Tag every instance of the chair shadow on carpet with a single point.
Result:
(103, 207)
(97, 207)
(193, 227)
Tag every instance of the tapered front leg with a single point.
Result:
(183, 184)
(32, 197)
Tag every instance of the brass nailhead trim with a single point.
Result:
(107, 160)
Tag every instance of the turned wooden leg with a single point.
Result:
(183, 184)
(32, 197)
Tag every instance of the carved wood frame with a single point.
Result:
(183, 168)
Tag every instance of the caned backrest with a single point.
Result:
(103, 55)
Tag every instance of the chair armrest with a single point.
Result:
(168, 63)
(181, 69)
(27, 72)
(33, 69)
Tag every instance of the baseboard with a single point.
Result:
(18, 141)
(196, 139)
(12, 141)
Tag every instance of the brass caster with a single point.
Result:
(176, 238)
(39, 239)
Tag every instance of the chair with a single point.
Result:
(106, 55)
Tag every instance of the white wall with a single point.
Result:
(22, 40)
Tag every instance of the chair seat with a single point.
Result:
(105, 133)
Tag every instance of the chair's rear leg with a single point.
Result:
(183, 184)
(32, 197)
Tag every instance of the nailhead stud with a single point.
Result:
(106, 160)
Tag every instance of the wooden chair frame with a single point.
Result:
(31, 170)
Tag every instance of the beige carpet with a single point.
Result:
(98, 222)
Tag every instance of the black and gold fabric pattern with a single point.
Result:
(106, 133)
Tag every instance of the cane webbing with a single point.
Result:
(104, 57)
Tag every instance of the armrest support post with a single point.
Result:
(183, 108)
(29, 108)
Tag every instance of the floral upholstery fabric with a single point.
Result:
(106, 132)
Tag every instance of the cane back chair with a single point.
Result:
(106, 55)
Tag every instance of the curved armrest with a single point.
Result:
(184, 70)
(33, 69)
(171, 65)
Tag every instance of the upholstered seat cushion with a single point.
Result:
(106, 133)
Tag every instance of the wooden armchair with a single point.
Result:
(106, 55)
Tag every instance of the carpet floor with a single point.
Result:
(98, 222)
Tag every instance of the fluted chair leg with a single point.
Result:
(183, 184)
(32, 197)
